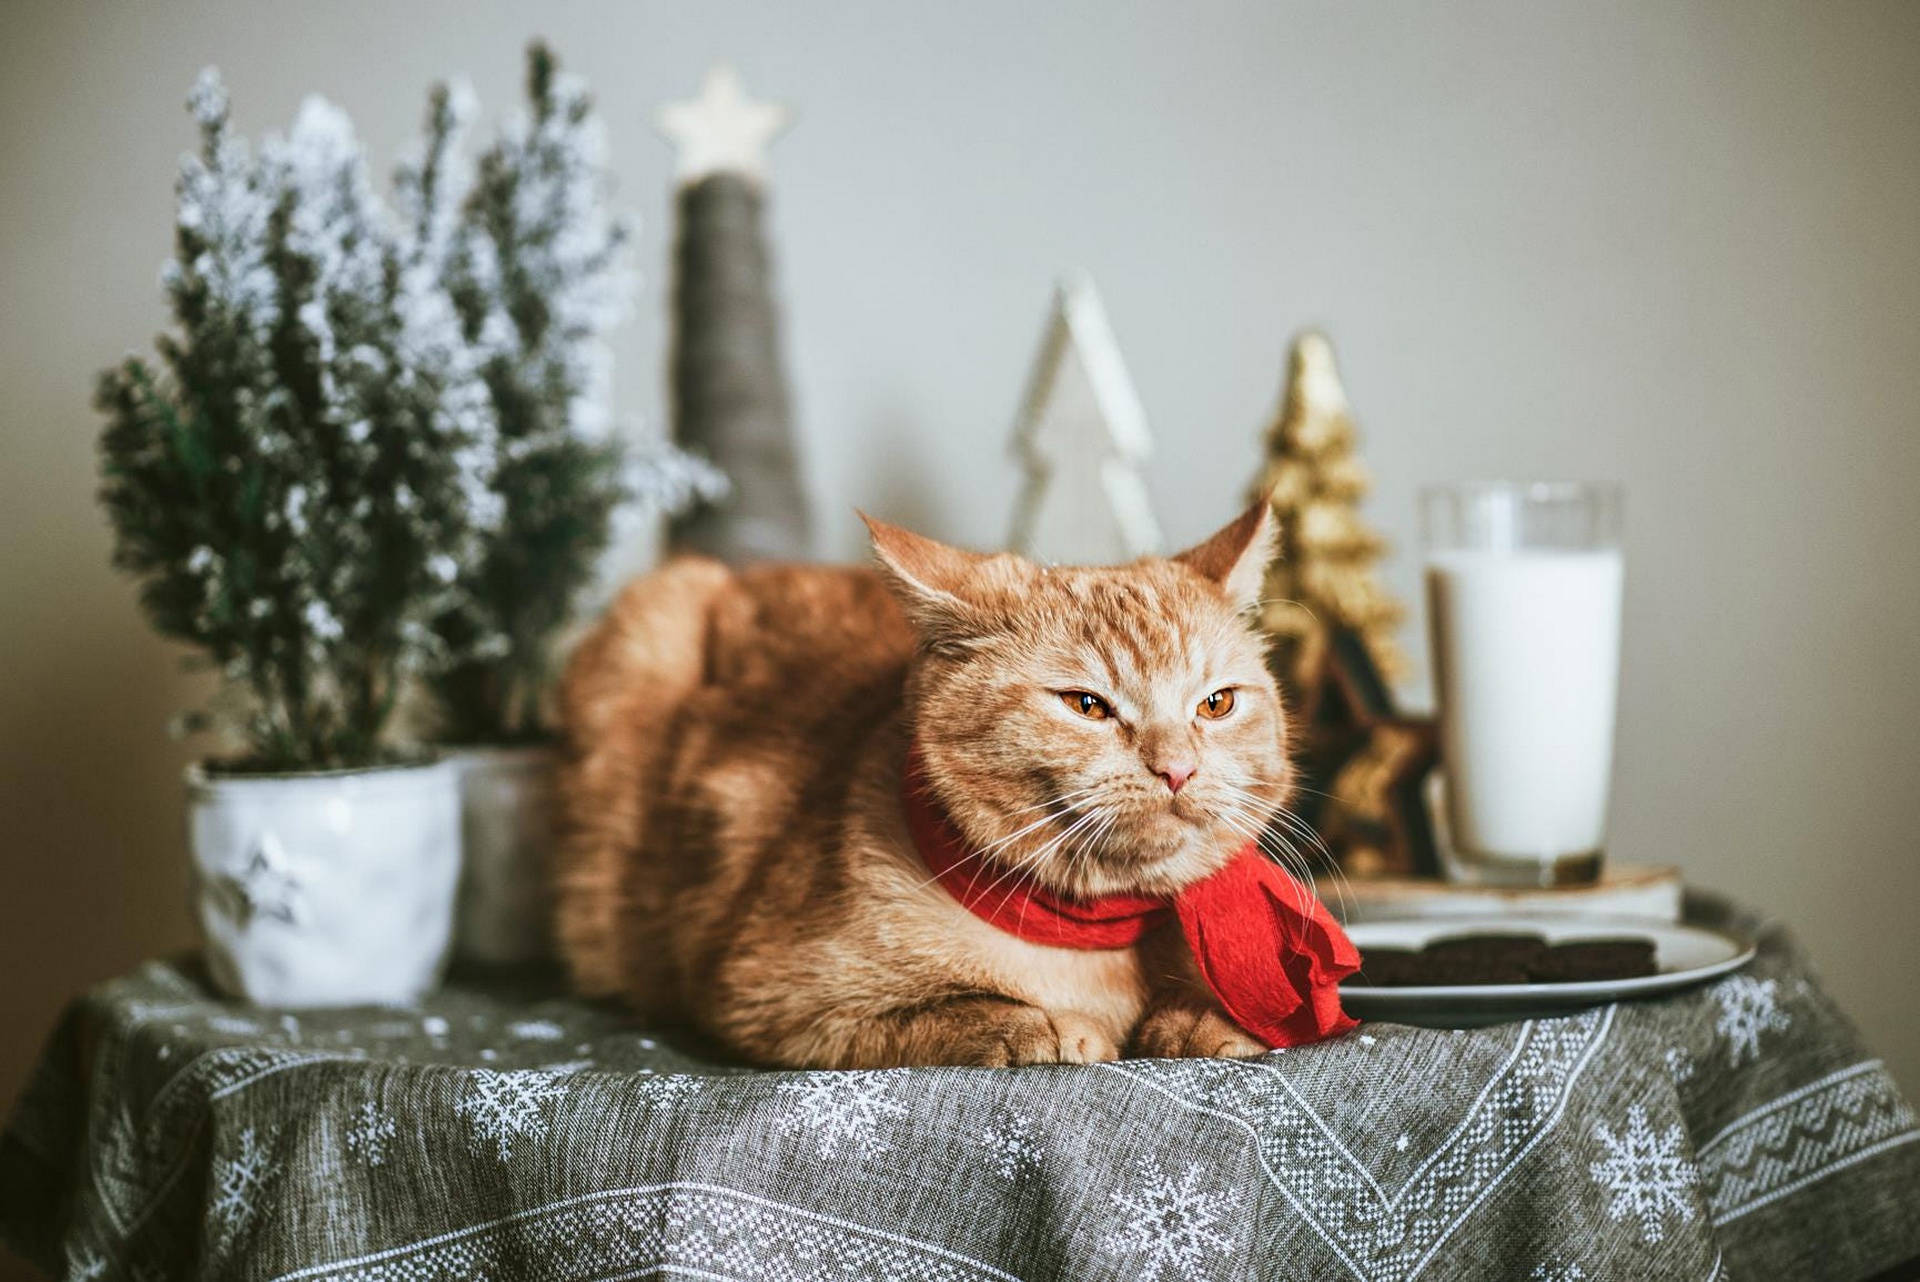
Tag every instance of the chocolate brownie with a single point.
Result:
(1504, 959)
(1594, 959)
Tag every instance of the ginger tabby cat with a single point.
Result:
(734, 852)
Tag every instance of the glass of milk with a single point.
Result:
(1523, 611)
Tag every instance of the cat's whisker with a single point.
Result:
(1246, 826)
(1315, 792)
(1027, 860)
(1296, 859)
(1288, 856)
(1080, 857)
(1058, 808)
(1051, 803)
(1288, 819)
(1061, 807)
(1315, 864)
(1302, 830)
(1033, 858)
(1073, 851)
(1306, 876)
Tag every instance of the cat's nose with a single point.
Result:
(1176, 773)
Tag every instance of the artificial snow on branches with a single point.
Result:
(301, 476)
(537, 270)
(377, 443)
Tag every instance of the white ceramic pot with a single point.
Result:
(506, 830)
(326, 889)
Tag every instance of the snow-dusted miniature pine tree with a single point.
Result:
(301, 476)
(537, 268)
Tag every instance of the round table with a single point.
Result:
(504, 1131)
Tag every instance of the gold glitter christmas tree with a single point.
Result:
(1323, 578)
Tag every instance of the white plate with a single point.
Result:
(1685, 955)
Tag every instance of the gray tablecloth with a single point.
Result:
(1738, 1130)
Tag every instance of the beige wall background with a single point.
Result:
(1677, 245)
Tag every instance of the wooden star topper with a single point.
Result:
(1363, 765)
(723, 130)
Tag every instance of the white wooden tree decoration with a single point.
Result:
(1082, 438)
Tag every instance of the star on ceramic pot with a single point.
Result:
(266, 885)
(723, 130)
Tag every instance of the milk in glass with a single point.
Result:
(1526, 652)
(1523, 605)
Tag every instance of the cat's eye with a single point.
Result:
(1090, 706)
(1216, 705)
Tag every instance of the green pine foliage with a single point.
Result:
(379, 447)
(298, 479)
(537, 270)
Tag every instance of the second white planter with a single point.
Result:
(326, 889)
(506, 822)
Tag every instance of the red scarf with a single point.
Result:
(1266, 946)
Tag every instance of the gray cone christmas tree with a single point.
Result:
(728, 395)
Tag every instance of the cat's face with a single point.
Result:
(1103, 730)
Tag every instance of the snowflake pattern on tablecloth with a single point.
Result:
(1014, 1146)
(685, 1229)
(1749, 1007)
(844, 1108)
(1647, 1176)
(501, 1107)
(237, 1182)
(536, 1030)
(667, 1090)
(233, 1025)
(370, 1133)
(1394, 1190)
(89, 1266)
(1173, 1223)
(387, 1030)
(1380, 1235)
(145, 1012)
(1801, 1137)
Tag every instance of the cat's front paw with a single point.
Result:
(1029, 1035)
(1079, 1040)
(1182, 1030)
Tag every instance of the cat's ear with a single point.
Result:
(1236, 556)
(936, 585)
